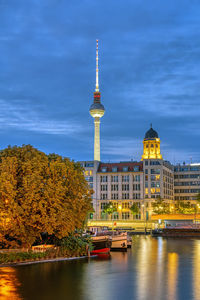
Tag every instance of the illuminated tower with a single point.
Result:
(151, 145)
(97, 111)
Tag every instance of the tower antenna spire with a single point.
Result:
(97, 66)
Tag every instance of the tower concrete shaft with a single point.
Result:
(97, 138)
(97, 111)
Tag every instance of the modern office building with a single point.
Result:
(186, 182)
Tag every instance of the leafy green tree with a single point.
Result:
(134, 209)
(184, 208)
(160, 206)
(109, 208)
(40, 193)
(198, 198)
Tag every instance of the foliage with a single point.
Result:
(40, 193)
(75, 245)
(184, 208)
(21, 256)
(198, 198)
(109, 208)
(160, 207)
(71, 246)
(134, 209)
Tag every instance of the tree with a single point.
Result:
(160, 206)
(198, 198)
(134, 209)
(40, 193)
(109, 208)
(184, 208)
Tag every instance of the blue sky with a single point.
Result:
(149, 73)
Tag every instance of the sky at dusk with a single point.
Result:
(149, 56)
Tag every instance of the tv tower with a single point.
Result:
(97, 110)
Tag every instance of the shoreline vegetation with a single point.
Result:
(72, 246)
(37, 259)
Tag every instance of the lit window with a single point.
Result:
(157, 177)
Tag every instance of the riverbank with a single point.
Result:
(31, 262)
(42, 253)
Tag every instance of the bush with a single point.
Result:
(20, 256)
(71, 246)
(75, 245)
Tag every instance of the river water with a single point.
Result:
(154, 269)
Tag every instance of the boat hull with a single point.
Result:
(177, 232)
(101, 245)
(100, 251)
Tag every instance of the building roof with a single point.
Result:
(151, 134)
(109, 167)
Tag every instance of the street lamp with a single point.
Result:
(119, 208)
(144, 218)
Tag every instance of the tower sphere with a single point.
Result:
(97, 110)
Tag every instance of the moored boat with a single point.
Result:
(129, 241)
(177, 232)
(102, 245)
(119, 242)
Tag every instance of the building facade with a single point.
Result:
(186, 182)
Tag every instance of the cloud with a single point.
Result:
(21, 115)
(149, 72)
(122, 149)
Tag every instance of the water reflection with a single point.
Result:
(154, 269)
(9, 284)
(172, 275)
(196, 272)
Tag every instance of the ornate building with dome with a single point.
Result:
(151, 145)
(126, 183)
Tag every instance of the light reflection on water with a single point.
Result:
(9, 284)
(154, 269)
